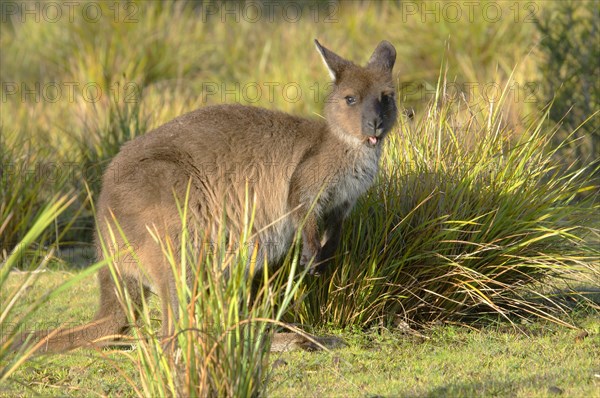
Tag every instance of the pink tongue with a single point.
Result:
(373, 140)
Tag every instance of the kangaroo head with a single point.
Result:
(361, 108)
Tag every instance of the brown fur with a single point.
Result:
(288, 164)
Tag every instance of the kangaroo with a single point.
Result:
(300, 173)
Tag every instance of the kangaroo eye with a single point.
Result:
(350, 100)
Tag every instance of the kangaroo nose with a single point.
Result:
(375, 125)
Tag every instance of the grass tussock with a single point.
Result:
(12, 322)
(465, 219)
(225, 318)
(29, 180)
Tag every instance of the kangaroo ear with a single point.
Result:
(383, 57)
(334, 63)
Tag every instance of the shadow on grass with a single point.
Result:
(550, 382)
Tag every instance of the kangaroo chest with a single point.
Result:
(352, 179)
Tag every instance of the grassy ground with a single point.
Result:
(448, 361)
(540, 359)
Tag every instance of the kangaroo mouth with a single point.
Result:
(372, 140)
